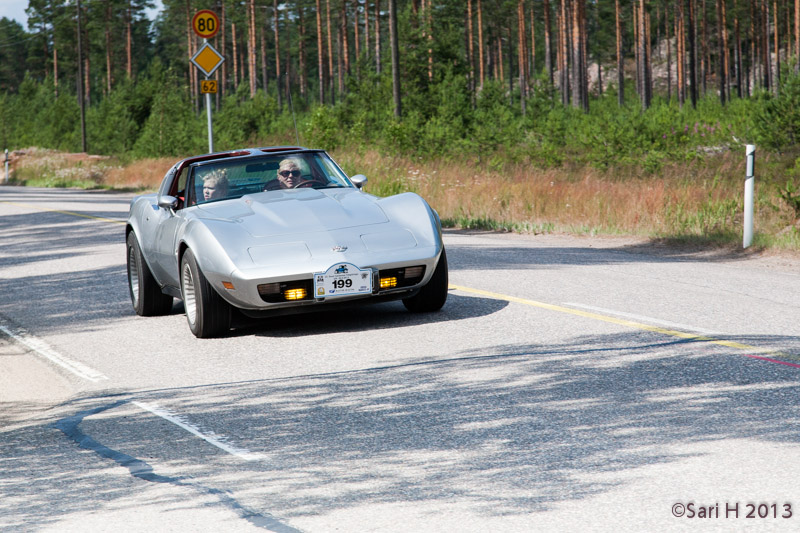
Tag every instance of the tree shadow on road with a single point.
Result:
(512, 430)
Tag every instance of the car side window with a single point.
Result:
(182, 193)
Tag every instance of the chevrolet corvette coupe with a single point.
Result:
(266, 231)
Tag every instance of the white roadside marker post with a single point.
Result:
(749, 186)
(6, 162)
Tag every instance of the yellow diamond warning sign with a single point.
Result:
(207, 59)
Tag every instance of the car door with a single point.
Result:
(168, 227)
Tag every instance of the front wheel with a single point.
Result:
(432, 296)
(146, 295)
(207, 313)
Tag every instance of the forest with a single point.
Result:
(624, 87)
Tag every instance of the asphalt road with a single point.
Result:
(569, 384)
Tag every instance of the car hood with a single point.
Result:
(297, 211)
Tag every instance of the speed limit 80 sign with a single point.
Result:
(205, 24)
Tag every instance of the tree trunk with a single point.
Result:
(395, 48)
(777, 80)
(107, 31)
(55, 69)
(190, 51)
(366, 29)
(521, 39)
(224, 53)
(129, 43)
(320, 56)
(429, 24)
(81, 99)
(330, 50)
(501, 71)
(584, 42)
(287, 75)
(637, 56)
(727, 55)
(235, 56)
(548, 42)
(481, 58)
(767, 61)
(720, 55)
(263, 53)
(510, 66)
(669, 52)
(680, 46)
(340, 55)
(356, 37)
(302, 51)
(470, 51)
(251, 45)
(692, 55)
(378, 36)
(620, 59)
(577, 49)
(797, 35)
(648, 58)
(345, 40)
(754, 45)
(276, 32)
(565, 52)
(641, 54)
(532, 55)
(738, 38)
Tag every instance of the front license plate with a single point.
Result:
(342, 279)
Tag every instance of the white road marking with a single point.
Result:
(209, 437)
(646, 319)
(43, 349)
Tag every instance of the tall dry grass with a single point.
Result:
(697, 199)
(144, 174)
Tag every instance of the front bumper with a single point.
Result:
(241, 287)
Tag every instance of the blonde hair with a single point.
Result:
(290, 164)
(217, 178)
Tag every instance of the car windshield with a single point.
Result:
(226, 179)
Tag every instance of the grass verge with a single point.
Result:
(696, 203)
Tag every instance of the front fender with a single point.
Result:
(413, 212)
(212, 257)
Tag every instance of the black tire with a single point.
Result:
(207, 313)
(146, 295)
(433, 295)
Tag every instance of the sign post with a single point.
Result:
(749, 182)
(206, 25)
(6, 162)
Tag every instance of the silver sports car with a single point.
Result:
(277, 230)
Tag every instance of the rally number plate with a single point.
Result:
(342, 279)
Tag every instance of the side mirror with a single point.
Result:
(168, 202)
(359, 180)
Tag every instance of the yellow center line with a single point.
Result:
(72, 213)
(622, 322)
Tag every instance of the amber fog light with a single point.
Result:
(295, 294)
(388, 283)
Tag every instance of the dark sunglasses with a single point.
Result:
(287, 173)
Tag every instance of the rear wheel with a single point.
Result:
(207, 313)
(432, 296)
(146, 295)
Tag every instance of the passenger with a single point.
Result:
(215, 185)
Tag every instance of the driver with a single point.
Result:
(289, 176)
(289, 173)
